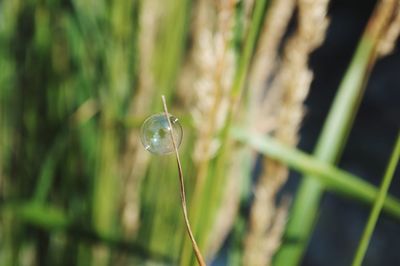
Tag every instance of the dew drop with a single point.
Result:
(155, 135)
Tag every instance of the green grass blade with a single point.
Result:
(249, 47)
(378, 205)
(329, 146)
(329, 177)
(46, 176)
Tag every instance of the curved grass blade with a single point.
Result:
(328, 176)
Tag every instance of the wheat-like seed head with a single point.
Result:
(283, 105)
(388, 41)
(213, 61)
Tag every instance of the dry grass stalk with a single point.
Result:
(388, 40)
(272, 243)
(196, 249)
(274, 27)
(265, 59)
(248, 10)
(135, 159)
(290, 87)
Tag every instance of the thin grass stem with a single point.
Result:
(196, 249)
(378, 205)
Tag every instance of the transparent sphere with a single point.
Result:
(155, 134)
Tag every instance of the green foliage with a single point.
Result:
(73, 93)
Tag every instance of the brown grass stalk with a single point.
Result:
(265, 59)
(264, 62)
(196, 249)
(135, 160)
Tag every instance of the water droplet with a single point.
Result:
(155, 134)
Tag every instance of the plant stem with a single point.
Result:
(378, 205)
(196, 249)
(248, 50)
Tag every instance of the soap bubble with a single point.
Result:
(155, 134)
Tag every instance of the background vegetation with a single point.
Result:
(77, 79)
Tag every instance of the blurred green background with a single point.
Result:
(77, 79)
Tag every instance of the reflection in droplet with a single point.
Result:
(155, 134)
